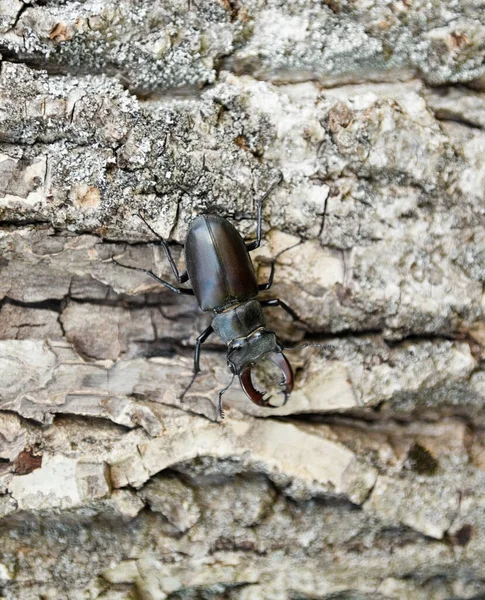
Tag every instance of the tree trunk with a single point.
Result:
(370, 482)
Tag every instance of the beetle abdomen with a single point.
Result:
(219, 267)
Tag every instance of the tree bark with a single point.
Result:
(369, 483)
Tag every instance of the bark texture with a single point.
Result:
(370, 482)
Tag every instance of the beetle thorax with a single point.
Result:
(239, 322)
(243, 329)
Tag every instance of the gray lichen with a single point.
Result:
(178, 44)
(369, 482)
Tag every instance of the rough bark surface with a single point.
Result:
(370, 482)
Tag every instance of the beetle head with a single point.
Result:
(246, 352)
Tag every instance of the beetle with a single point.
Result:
(219, 267)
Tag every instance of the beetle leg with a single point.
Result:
(284, 306)
(266, 286)
(167, 284)
(259, 227)
(198, 343)
(180, 277)
(280, 360)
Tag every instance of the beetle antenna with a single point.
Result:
(222, 414)
(309, 345)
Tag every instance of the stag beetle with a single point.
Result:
(223, 279)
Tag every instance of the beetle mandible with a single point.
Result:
(219, 267)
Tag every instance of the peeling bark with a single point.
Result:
(369, 482)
